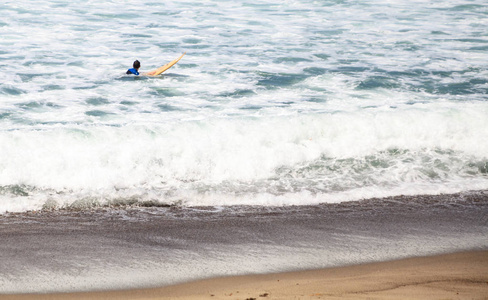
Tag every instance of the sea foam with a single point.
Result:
(281, 157)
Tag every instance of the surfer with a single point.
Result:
(135, 68)
(137, 65)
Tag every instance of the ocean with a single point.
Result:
(277, 105)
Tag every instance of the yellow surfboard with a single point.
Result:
(165, 67)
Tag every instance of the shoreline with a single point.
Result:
(133, 249)
(448, 276)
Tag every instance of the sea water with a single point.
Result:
(275, 103)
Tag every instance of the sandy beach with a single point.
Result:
(450, 276)
(407, 247)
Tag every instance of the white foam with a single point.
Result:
(112, 162)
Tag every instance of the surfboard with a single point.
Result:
(160, 70)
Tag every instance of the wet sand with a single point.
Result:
(136, 249)
(451, 276)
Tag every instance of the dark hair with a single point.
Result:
(136, 64)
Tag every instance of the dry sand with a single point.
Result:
(450, 276)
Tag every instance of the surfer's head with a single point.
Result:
(136, 64)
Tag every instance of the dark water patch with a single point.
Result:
(438, 32)
(136, 35)
(481, 166)
(332, 32)
(315, 71)
(92, 206)
(414, 73)
(380, 16)
(132, 78)
(322, 56)
(30, 105)
(163, 13)
(255, 23)
(78, 63)
(290, 60)
(347, 61)
(319, 88)
(369, 107)
(479, 48)
(350, 69)
(314, 176)
(15, 57)
(251, 107)
(198, 46)
(11, 90)
(301, 49)
(414, 102)
(286, 103)
(59, 5)
(192, 41)
(49, 63)
(375, 82)
(457, 88)
(29, 76)
(407, 46)
(129, 103)
(187, 66)
(466, 7)
(228, 34)
(429, 85)
(274, 80)
(160, 25)
(154, 203)
(472, 40)
(97, 113)
(15, 190)
(240, 93)
(5, 115)
(124, 16)
(52, 87)
(443, 74)
(52, 105)
(316, 99)
(90, 203)
(97, 101)
(86, 87)
(479, 81)
(168, 107)
(360, 96)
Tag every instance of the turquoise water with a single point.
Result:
(275, 103)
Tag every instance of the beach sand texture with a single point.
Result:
(450, 276)
(397, 247)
